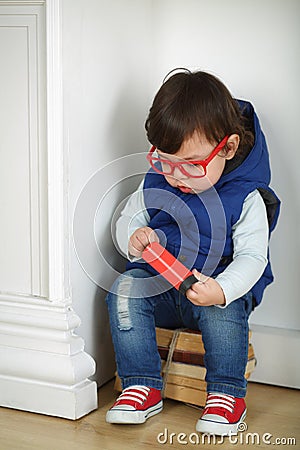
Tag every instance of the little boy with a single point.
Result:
(207, 199)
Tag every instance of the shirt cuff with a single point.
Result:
(227, 302)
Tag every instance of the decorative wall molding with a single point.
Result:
(22, 3)
(58, 222)
(47, 398)
(43, 365)
(25, 267)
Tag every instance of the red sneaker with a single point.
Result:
(135, 405)
(222, 414)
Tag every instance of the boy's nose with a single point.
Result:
(179, 175)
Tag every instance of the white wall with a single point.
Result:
(106, 59)
(253, 46)
(116, 54)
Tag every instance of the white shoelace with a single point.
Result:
(220, 401)
(130, 394)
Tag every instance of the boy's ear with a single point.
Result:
(232, 145)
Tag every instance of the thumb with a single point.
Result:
(200, 277)
(196, 273)
(153, 237)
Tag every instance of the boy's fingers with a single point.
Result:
(153, 237)
(140, 239)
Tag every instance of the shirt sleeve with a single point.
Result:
(250, 237)
(133, 216)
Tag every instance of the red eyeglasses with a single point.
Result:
(193, 169)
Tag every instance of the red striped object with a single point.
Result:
(169, 267)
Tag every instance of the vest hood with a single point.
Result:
(254, 166)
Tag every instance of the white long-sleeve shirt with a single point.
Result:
(250, 236)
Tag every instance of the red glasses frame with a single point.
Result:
(203, 163)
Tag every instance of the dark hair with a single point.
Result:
(194, 101)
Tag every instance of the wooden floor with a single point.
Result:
(273, 413)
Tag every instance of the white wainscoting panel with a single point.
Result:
(23, 199)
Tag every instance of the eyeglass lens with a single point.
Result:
(188, 169)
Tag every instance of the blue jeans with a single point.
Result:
(133, 319)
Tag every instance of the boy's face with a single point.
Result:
(198, 148)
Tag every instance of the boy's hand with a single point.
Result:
(140, 239)
(205, 293)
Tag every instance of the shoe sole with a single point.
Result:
(132, 417)
(219, 429)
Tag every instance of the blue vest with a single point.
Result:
(197, 228)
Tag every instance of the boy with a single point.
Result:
(207, 199)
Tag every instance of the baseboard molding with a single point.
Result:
(277, 353)
(48, 398)
(43, 365)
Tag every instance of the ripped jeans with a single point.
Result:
(134, 313)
